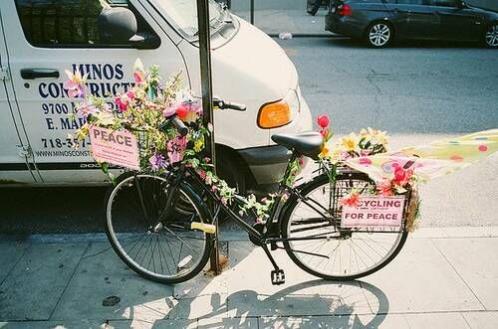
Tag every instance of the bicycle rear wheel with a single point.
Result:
(152, 239)
(314, 240)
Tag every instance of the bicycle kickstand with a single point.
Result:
(278, 274)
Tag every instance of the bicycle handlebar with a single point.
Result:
(179, 125)
(219, 103)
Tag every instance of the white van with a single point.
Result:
(39, 39)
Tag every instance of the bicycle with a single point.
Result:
(162, 226)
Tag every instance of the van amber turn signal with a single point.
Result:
(274, 115)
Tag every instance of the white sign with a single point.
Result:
(375, 211)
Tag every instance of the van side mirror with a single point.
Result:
(119, 26)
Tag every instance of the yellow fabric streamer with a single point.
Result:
(433, 160)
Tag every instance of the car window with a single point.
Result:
(67, 23)
(183, 14)
(444, 3)
(409, 2)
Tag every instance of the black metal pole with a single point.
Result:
(207, 99)
(252, 12)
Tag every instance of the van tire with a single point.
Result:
(232, 169)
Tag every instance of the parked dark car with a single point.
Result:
(379, 22)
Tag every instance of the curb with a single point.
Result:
(463, 232)
(311, 35)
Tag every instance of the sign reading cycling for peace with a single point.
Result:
(374, 212)
(115, 147)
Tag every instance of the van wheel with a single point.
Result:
(231, 170)
(491, 36)
(379, 34)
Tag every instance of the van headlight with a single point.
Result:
(279, 113)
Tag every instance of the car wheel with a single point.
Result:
(379, 35)
(491, 36)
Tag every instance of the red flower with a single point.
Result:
(385, 188)
(182, 112)
(352, 200)
(402, 176)
(323, 121)
(122, 103)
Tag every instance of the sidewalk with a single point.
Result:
(295, 21)
(443, 278)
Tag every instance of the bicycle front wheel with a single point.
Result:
(155, 240)
(314, 240)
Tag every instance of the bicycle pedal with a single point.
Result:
(277, 277)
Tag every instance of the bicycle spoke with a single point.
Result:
(150, 245)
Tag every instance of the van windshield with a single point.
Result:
(183, 14)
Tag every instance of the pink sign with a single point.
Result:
(116, 147)
(375, 211)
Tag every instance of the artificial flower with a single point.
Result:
(349, 142)
(157, 161)
(75, 86)
(323, 121)
(182, 112)
(324, 153)
(198, 145)
(351, 200)
(385, 187)
(402, 176)
(169, 111)
(176, 149)
(122, 102)
(85, 109)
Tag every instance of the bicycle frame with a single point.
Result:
(275, 211)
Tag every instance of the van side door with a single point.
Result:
(14, 150)
(48, 37)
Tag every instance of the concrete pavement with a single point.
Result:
(443, 278)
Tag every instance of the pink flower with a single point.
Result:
(176, 148)
(325, 132)
(365, 152)
(139, 78)
(75, 86)
(122, 102)
(323, 121)
(131, 95)
(364, 161)
(86, 109)
(169, 111)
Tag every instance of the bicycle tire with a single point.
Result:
(294, 202)
(202, 213)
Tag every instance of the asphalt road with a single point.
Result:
(417, 91)
(412, 88)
